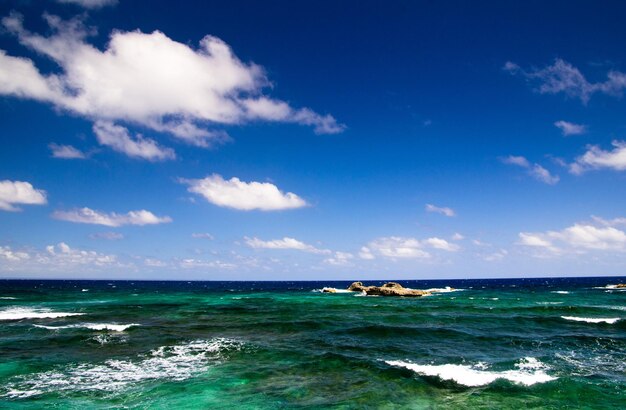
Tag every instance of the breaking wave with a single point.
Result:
(30, 313)
(528, 371)
(174, 363)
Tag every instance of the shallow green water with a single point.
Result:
(494, 344)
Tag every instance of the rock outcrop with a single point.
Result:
(329, 290)
(388, 289)
(621, 286)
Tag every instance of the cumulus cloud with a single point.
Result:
(14, 193)
(597, 158)
(66, 152)
(90, 4)
(535, 170)
(148, 79)
(449, 212)
(90, 216)
(410, 248)
(119, 139)
(340, 259)
(59, 257)
(244, 196)
(569, 128)
(580, 237)
(366, 253)
(562, 77)
(284, 243)
(457, 237)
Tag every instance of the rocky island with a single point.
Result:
(388, 289)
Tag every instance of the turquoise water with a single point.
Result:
(558, 343)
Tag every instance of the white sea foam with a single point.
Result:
(326, 289)
(447, 289)
(93, 326)
(177, 362)
(7, 297)
(528, 371)
(17, 313)
(609, 320)
(560, 292)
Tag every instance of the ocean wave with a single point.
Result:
(332, 289)
(17, 313)
(528, 371)
(178, 362)
(93, 326)
(609, 320)
(447, 289)
(7, 298)
(560, 292)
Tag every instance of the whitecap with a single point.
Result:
(447, 289)
(93, 326)
(17, 313)
(560, 292)
(84, 290)
(7, 297)
(528, 371)
(609, 320)
(179, 362)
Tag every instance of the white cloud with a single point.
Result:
(457, 237)
(496, 256)
(449, 212)
(516, 160)
(19, 193)
(7, 254)
(90, 216)
(402, 247)
(203, 235)
(204, 264)
(579, 237)
(284, 243)
(244, 196)
(109, 236)
(438, 243)
(597, 158)
(340, 259)
(609, 222)
(562, 77)
(119, 139)
(366, 253)
(398, 247)
(148, 79)
(55, 257)
(535, 170)
(569, 128)
(90, 4)
(66, 152)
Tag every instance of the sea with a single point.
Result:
(556, 343)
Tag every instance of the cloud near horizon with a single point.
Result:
(147, 79)
(578, 238)
(90, 216)
(284, 243)
(395, 247)
(243, 196)
(14, 193)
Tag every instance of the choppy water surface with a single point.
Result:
(539, 343)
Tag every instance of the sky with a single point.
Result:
(313, 140)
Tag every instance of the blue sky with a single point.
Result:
(317, 140)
